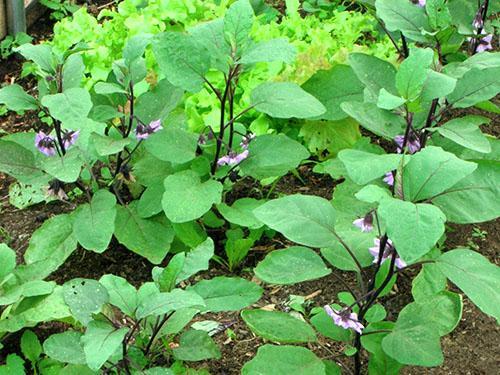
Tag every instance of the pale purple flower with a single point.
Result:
(421, 3)
(365, 223)
(413, 143)
(69, 138)
(233, 158)
(389, 179)
(484, 44)
(144, 131)
(246, 140)
(344, 318)
(45, 143)
(388, 251)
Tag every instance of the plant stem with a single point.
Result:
(223, 100)
(155, 332)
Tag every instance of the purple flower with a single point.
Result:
(421, 3)
(233, 158)
(144, 131)
(69, 138)
(413, 143)
(365, 223)
(45, 143)
(484, 43)
(246, 140)
(344, 318)
(388, 251)
(389, 179)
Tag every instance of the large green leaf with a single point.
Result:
(121, 293)
(30, 346)
(324, 325)
(150, 238)
(364, 167)
(18, 162)
(40, 54)
(173, 144)
(238, 22)
(241, 212)
(100, 341)
(284, 360)
(162, 303)
(183, 59)
(333, 87)
(473, 199)
(186, 198)
(105, 145)
(65, 168)
(432, 171)
(291, 266)
(358, 242)
(197, 260)
(7, 260)
(278, 326)
(278, 49)
(227, 293)
(72, 105)
(65, 347)
(375, 73)
(16, 99)
(273, 155)
(84, 298)
(465, 132)
(94, 223)
(73, 71)
(305, 219)
(475, 276)
(157, 103)
(412, 73)
(211, 35)
(196, 346)
(413, 228)
(285, 100)
(475, 86)
(402, 15)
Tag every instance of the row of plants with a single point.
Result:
(149, 149)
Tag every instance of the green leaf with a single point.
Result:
(475, 276)
(241, 212)
(475, 198)
(358, 242)
(291, 266)
(183, 59)
(196, 345)
(379, 121)
(333, 87)
(50, 245)
(305, 219)
(105, 145)
(324, 325)
(186, 186)
(474, 87)
(173, 144)
(149, 238)
(284, 360)
(40, 54)
(278, 326)
(94, 223)
(30, 346)
(412, 73)
(71, 105)
(168, 276)
(100, 341)
(388, 101)
(227, 293)
(432, 171)
(121, 293)
(278, 49)
(108, 88)
(238, 22)
(65, 347)
(273, 155)
(84, 298)
(18, 162)
(375, 73)
(376, 313)
(16, 99)
(437, 85)
(162, 303)
(428, 282)
(73, 72)
(438, 13)
(14, 366)
(465, 132)
(197, 259)
(158, 103)
(364, 167)
(150, 201)
(7, 260)
(285, 100)
(413, 228)
(403, 16)
(65, 168)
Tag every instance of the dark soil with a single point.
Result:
(471, 349)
